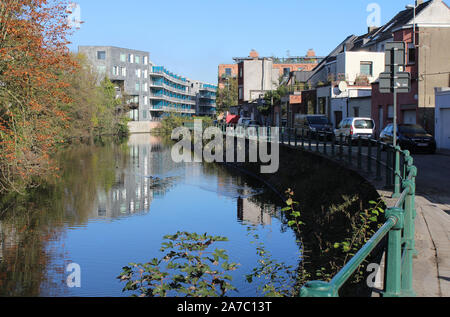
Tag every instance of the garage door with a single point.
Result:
(445, 128)
(409, 117)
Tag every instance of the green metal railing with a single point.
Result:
(399, 226)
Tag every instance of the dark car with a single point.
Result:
(410, 137)
(314, 125)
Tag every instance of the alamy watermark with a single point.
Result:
(227, 147)
(374, 17)
(374, 279)
(74, 278)
(74, 18)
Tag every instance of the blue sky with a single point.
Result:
(192, 37)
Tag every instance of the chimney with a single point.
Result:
(311, 53)
(254, 54)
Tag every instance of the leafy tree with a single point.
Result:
(273, 99)
(227, 96)
(33, 55)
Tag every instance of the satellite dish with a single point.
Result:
(343, 86)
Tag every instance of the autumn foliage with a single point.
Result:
(37, 99)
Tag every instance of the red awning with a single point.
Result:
(231, 119)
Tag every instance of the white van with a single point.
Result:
(355, 127)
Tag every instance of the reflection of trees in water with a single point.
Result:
(103, 181)
(106, 180)
(33, 222)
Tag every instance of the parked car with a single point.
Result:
(313, 125)
(355, 127)
(244, 121)
(410, 137)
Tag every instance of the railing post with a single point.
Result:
(378, 161)
(333, 144)
(317, 142)
(303, 138)
(397, 173)
(393, 276)
(309, 140)
(359, 153)
(295, 137)
(350, 142)
(369, 156)
(388, 167)
(409, 231)
(290, 135)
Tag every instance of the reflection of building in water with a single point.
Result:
(250, 212)
(140, 182)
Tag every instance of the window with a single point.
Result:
(145, 100)
(123, 71)
(130, 58)
(241, 93)
(146, 73)
(145, 87)
(145, 60)
(240, 73)
(137, 87)
(286, 71)
(137, 60)
(390, 112)
(116, 70)
(101, 55)
(367, 68)
(123, 58)
(101, 69)
(228, 71)
(138, 73)
(364, 124)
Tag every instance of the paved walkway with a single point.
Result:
(432, 262)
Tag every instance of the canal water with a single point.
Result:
(114, 203)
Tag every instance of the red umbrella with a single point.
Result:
(232, 119)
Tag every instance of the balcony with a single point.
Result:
(172, 99)
(171, 109)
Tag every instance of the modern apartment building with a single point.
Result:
(206, 95)
(151, 91)
(170, 93)
(128, 70)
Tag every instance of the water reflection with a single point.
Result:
(112, 205)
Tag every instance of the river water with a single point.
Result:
(114, 203)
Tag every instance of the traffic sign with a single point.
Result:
(400, 81)
(395, 57)
(395, 76)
